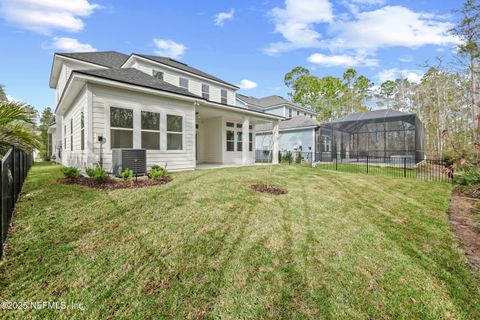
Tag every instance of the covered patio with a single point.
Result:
(226, 137)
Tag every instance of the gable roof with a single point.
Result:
(371, 115)
(110, 59)
(136, 77)
(182, 66)
(292, 123)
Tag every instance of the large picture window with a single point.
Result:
(174, 132)
(150, 130)
(121, 128)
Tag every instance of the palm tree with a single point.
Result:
(17, 121)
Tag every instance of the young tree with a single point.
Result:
(468, 30)
(17, 127)
(3, 96)
(46, 120)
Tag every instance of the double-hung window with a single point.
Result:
(174, 132)
(223, 96)
(71, 134)
(289, 112)
(150, 130)
(82, 131)
(121, 128)
(183, 83)
(158, 74)
(206, 91)
(230, 136)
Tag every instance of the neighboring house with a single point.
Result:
(295, 134)
(275, 105)
(182, 116)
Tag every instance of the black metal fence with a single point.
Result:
(395, 166)
(14, 169)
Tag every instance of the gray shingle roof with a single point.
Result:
(110, 59)
(264, 102)
(375, 114)
(182, 66)
(292, 123)
(136, 77)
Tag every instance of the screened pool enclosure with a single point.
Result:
(387, 134)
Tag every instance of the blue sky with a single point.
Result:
(252, 43)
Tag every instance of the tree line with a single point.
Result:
(445, 99)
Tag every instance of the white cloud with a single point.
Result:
(342, 60)
(406, 58)
(391, 26)
(369, 2)
(247, 84)
(48, 15)
(395, 73)
(71, 44)
(296, 21)
(221, 17)
(169, 48)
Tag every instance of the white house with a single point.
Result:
(295, 134)
(275, 105)
(298, 132)
(182, 116)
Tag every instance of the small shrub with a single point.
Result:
(298, 158)
(71, 173)
(157, 172)
(468, 175)
(97, 174)
(288, 157)
(127, 174)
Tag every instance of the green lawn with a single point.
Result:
(338, 245)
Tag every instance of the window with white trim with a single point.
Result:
(206, 91)
(234, 137)
(82, 131)
(230, 136)
(298, 113)
(174, 132)
(290, 112)
(121, 128)
(150, 130)
(158, 74)
(223, 96)
(71, 134)
(183, 83)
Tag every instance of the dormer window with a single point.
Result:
(223, 97)
(206, 91)
(157, 74)
(183, 83)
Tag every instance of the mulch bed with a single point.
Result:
(268, 189)
(112, 184)
(461, 215)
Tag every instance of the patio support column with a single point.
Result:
(275, 142)
(245, 141)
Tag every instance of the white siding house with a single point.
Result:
(182, 117)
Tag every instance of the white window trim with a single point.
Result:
(170, 113)
(235, 136)
(150, 130)
(109, 134)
